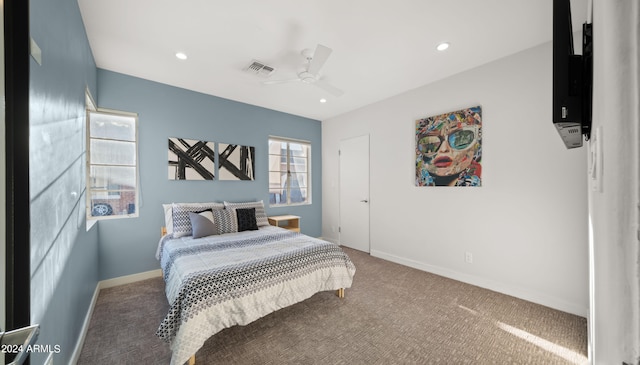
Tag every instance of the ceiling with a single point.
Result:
(381, 48)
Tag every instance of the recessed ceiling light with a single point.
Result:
(323, 100)
(181, 56)
(442, 46)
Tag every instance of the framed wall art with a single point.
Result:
(236, 162)
(449, 149)
(191, 159)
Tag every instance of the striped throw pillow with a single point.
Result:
(226, 220)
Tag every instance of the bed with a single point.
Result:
(235, 277)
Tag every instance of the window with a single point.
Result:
(289, 171)
(112, 168)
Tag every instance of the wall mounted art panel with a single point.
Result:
(191, 160)
(449, 149)
(236, 162)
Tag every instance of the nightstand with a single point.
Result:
(291, 222)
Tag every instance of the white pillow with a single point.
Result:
(168, 217)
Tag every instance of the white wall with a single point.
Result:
(615, 329)
(526, 226)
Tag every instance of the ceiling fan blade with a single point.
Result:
(328, 88)
(320, 56)
(273, 82)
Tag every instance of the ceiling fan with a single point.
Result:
(315, 61)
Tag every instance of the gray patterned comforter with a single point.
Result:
(217, 282)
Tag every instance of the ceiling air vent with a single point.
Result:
(260, 69)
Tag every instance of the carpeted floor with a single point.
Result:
(392, 315)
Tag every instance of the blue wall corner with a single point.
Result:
(128, 246)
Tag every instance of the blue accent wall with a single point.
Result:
(64, 256)
(128, 246)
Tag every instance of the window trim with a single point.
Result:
(88, 207)
(309, 200)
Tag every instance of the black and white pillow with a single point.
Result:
(261, 215)
(225, 220)
(203, 224)
(181, 220)
(246, 219)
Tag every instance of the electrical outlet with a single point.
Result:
(468, 257)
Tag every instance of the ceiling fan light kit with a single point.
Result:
(315, 62)
(307, 77)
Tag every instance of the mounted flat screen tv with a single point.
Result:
(572, 78)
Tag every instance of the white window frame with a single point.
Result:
(89, 207)
(308, 200)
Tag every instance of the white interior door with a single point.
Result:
(354, 193)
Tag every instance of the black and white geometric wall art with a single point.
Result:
(191, 159)
(236, 162)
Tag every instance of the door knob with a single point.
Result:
(364, 201)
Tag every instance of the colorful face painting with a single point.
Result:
(449, 149)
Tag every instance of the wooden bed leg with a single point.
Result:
(192, 360)
(340, 293)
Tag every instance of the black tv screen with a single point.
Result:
(572, 78)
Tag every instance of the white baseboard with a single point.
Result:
(129, 279)
(85, 327)
(332, 240)
(102, 285)
(528, 295)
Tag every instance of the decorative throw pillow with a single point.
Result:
(202, 224)
(246, 219)
(181, 220)
(225, 220)
(261, 215)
